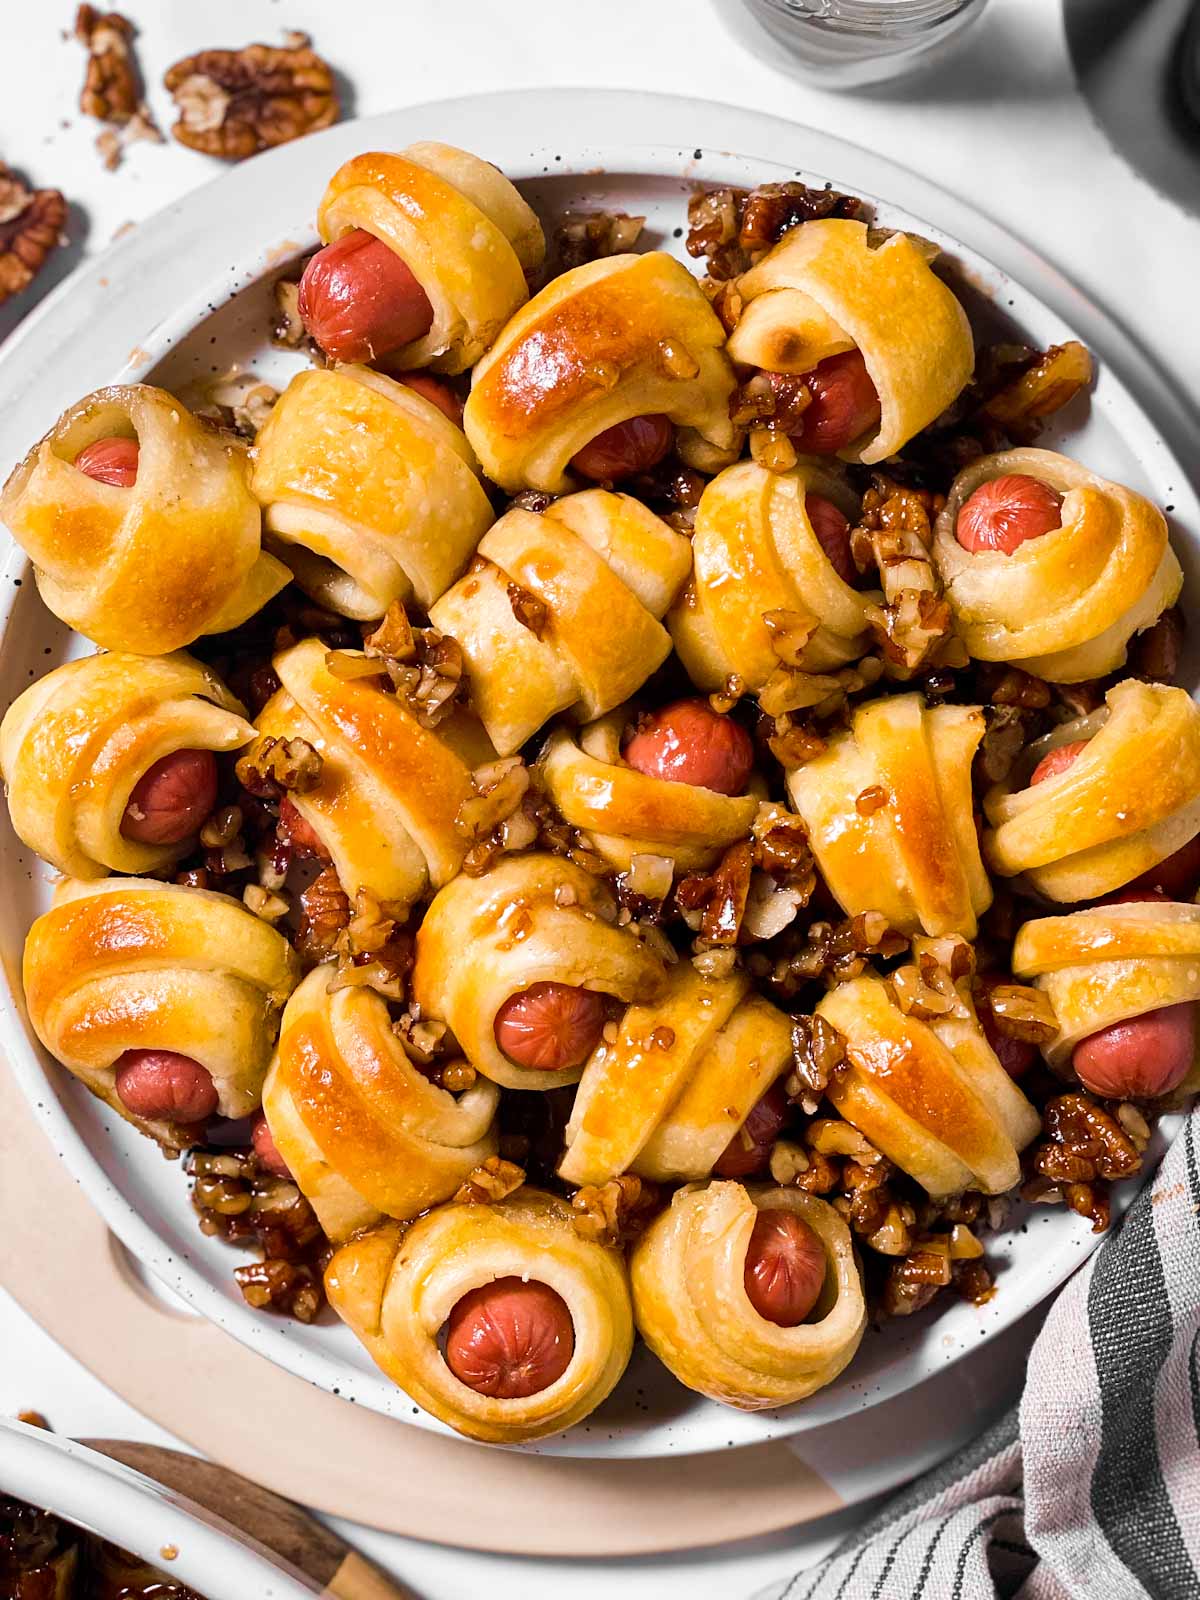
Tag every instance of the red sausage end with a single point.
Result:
(625, 449)
(112, 461)
(1006, 513)
(162, 1085)
(510, 1339)
(171, 799)
(785, 1268)
(550, 1027)
(359, 300)
(844, 405)
(689, 742)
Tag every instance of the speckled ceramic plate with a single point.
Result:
(187, 295)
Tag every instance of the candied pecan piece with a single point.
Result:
(1006, 736)
(833, 952)
(781, 848)
(530, 611)
(913, 627)
(818, 1050)
(493, 1181)
(1013, 686)
(274, 767)
(614, 1212)
(584, 236)
(1155, 654)
(1085, 1149)
(1019, 1011)
(233, 103)
(720, 895)
(794, 742)
(324, 912)
(1053, 381)
(31, 226)
(773, 209)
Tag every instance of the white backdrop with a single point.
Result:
(1001, 125)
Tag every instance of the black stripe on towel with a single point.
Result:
(1130, 1322)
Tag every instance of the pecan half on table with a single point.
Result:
(31, 225)
(234, 103)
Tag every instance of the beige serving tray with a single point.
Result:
(58, 1260)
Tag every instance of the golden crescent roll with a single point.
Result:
(152, 567)
(665, 1097)
(74, 746)
(1127, 802)
(1065, 605)
(691, 1306)
(396, 1288)
(755, 554)
(389, 789)
(462, 230)
(1109, 963)
(890, 815)
(560, 612)
(931, 1095)
(532, 919)
(628, 336)
(626, 813)
(135, 964)
(362, 1130)
(824, 289)
(370, 493)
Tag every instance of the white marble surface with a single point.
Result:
(1000, 124)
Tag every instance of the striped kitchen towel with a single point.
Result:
(1091, 1489)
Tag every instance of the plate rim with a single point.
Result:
(737, 131)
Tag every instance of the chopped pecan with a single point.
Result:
(615, 1212)
(393, 638)
(239, 402)
(729, 227)
(720, 896)
(233, 103)
(913, 627)
(1052, 382)
(324, 912)
(818, 1050)
(832, 952)
(287, 325)
(530, 611)
(373, 951)
(423, 1038)
(499, 788)
(274, 767)
(793, 742)
(491, 1182)
(781, 848)
(1156, 653)
(1085, 1149)
(1012, 686)
(584, 236)
(1006, 736)
(1019, 1011)
(31, 226)
(239, 1201)
(771, 906)
(433, 684)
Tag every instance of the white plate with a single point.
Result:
(135, 1513)
(186, 295)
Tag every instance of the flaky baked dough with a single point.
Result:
(1109, 963)
(1127, 802)
(691, 1306)
(389, 789)
(534, 918)
(396, 1287)
(605, 568)
(626, 813)
(462, 230)
(136, 964)
(930, 1095)
(1063, 606)
(890, 815)
(149, 568)
(74, 746)
(666, 1096)
(362, 1130)
(825, 288)
(754, 553)
(628, 336)
(370, 493)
